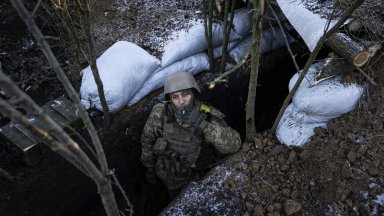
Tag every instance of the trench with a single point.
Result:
(276, 68)
(54, 187)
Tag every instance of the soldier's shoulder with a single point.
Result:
(158, 109)
(214, 112)
(158, 106)
(217, 113)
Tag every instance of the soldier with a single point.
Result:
(182, 135)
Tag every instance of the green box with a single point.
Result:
(27, 146)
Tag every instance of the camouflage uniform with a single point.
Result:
(163, 140)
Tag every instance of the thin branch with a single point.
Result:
(36, 8)
(59, 140)
(73, 131)
(285, 36)
(86, 26)
(366, 76)
(230, 71)
(116, 181)
(321, 80)
(227, 32)
(6, 175)
(100, 177)
(25, 16)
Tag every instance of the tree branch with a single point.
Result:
(257, 31)
(86, 23)
(25, 16)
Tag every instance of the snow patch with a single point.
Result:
(309, 25)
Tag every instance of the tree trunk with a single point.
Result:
(85, 14)
(208, 33)
(227, 33)
(351, 51)
(250, 128)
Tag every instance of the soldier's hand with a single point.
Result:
(195, 118)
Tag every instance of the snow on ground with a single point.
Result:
(148, 24)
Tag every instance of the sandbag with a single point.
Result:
(123, 68)
(191, 41)
(308, 24)
(291, 132)
(314, 106)
(242, 22)
(308, 116)
(218, 51)
(271, 39)
(329, 98)
(193, 64)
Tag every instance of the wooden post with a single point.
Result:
(350, 50)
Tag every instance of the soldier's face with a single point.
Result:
(181, 99)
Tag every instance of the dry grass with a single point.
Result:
(371, 14)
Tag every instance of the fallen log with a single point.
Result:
(349, 49)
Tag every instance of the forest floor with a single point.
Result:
(338, 172)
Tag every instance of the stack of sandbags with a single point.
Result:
(192, 64)
(188, 42)
(129, 73)
(186, 50)
(272, 38)
(314, 105)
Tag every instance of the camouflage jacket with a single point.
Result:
(222, 137)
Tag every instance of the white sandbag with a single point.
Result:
(308, 116)
(329, 98)
(309, 77)
(291, 132)
(193, 64)
(271, 39)
(308, 24)
(239, 51)
(123, 68)
(242, 22)
(218, 51)
(188, 42)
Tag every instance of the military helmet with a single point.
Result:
(180, 81)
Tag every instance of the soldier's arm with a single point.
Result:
(221, 136)
(152, 130)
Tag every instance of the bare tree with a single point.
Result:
(56, 138)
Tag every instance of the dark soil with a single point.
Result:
(337, 173)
